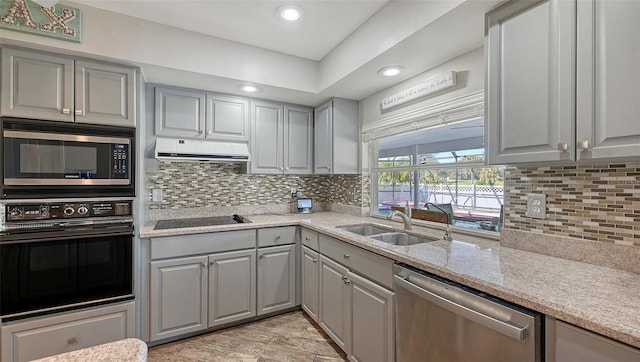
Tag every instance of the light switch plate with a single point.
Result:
(537, 206)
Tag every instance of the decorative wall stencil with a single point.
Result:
(591, 202)
(208, 184)
(59, 21)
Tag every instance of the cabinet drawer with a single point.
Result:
(33, 339)
(276, 236)
(181, 245)
(310, 239)
(371, 265)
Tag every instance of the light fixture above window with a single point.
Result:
(391, 71)
(289, 13)
(249, 88)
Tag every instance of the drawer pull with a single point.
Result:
(72, 341)
(346, 256)
(66, 111)
(307, 238)
(278, 237)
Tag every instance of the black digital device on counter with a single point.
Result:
(305, 205)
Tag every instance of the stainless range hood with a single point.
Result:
(172, 149)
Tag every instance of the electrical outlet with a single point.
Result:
(537, 206)
(294, 192)
(351, 193)
(156, 195)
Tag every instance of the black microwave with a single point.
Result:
(44, 159)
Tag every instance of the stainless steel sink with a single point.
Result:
(366, 229)
(397, 238)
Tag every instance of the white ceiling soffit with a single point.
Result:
(362, 38)
(324, 25)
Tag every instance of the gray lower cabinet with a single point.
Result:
(178, 293)
(371, 316)
(42, 86)
(232, 286)
(356, 312)
(276, 278)
(310, 270)
(65, 332)
(567, 343)
(337, 138)
(334, 301)
(281, 138)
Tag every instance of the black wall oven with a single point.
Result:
(44, 159)
(60, 256)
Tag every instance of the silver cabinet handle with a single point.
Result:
(563, 146)
(66, 111)
(307, 238)
(505, 328)
(200, 131)
(260, 256)
(583, 145)
(212, 262)
(71, 341)
(78, 112)
(204, 265)
(209, 131)
(315, 260)
(346, 280)
(346, 256)
(278, 237)
(287, 168)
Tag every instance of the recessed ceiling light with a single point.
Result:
(248, 88)
(391, 71)
(289, 13)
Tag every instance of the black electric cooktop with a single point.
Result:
(201, 221)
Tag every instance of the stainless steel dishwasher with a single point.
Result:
(440, 321)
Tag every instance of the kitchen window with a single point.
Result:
(442, 165)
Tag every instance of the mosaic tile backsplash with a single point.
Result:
(594, 202)
(207, 184)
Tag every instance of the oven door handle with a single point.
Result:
(422, 289)
(93, 222)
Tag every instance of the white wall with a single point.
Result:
(470, 78)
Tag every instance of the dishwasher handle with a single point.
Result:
(505, 328)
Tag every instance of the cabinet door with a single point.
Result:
(179, 113)
(105, 94)
(178, 296)
(266, 137)
(323, 139)
(45, 336)
(334, 301)
(608, 79)
(298, 140)
(36, 85)
(310, 282)
(530, 82)
(232, 286)
(372, 323)
(276, 278)
(227, 118)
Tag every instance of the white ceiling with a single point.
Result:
(336, 49)
(323, 26)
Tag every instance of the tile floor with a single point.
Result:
(287, 337)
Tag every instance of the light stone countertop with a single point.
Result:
(596, 298)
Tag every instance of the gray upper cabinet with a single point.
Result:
(186, 113)
(337, 138)
(530, 51)
(298, 140)
(179, 113)
(266, 137)
(36, 85)
(281, 138)
(41, 85)
(608, 79)
(563, 81)
(227, 118)
(105, 94)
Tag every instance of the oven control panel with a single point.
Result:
(65, 210)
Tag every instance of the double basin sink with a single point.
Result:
(387, 234)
